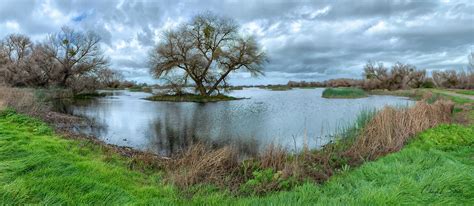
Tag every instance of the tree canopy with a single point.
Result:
(206, 50)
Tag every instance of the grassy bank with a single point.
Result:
(466, 92)
(464, 107)
(277, 87)
(38, 166)
(344, 92)
(140, 89)
(191, 98)
(200, 174)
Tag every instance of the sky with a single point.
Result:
(304, 40)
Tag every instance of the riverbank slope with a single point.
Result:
(39, 166)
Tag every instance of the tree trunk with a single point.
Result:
(201, 89)
(213, 88)
(66, 76)
(63, 81)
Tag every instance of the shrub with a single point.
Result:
(428, 83)
(266, 180)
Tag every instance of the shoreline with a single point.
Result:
(171, 167)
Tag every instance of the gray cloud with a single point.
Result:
(305, 39)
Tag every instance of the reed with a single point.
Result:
(202, 164)
(22, 100)
(391, 128)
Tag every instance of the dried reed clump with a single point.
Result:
(273, 157)
(201, 164)
(390, 128)
(2, 105)
(146, 161)
(22, 100)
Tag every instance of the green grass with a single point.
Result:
(140, 89)
(236, 88)
(465, 92)
(192, 98)
(436, 168)
(278, 87)
(89, 95)
(417, 94)
(38, 166)
(457, 100)
(344, 92)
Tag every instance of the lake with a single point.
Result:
(290, 118)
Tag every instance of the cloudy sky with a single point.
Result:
(305, 40)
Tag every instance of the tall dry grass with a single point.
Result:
(275, 157)
(202, 164)
(22, 100)
(391, 128)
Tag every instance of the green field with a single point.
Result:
(466, 92)
(38, 166)
(344, 92)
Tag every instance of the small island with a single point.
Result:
(191, 98)
(344, 93)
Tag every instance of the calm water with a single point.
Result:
(288, 118)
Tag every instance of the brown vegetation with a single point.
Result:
(24, 101)
(67, 59)
(454, 79)
(401, 76)
(202, 164)
(390, 128)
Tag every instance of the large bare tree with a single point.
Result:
(206, 50)
(15, 53)
(77, 53)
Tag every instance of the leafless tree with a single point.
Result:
(376, 75)
(207, 49)
(16, 47)
(403, 76)
(15, 51)
(109, 78)
(400, 76)
(374, 70)
(76, 52)
(176, 83)
(448, 79)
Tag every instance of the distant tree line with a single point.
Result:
(67, 59)
(401, 76)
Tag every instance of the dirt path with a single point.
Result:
(455, 94)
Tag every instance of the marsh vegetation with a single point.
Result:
(344, 92)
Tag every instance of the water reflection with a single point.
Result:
(288, 118)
